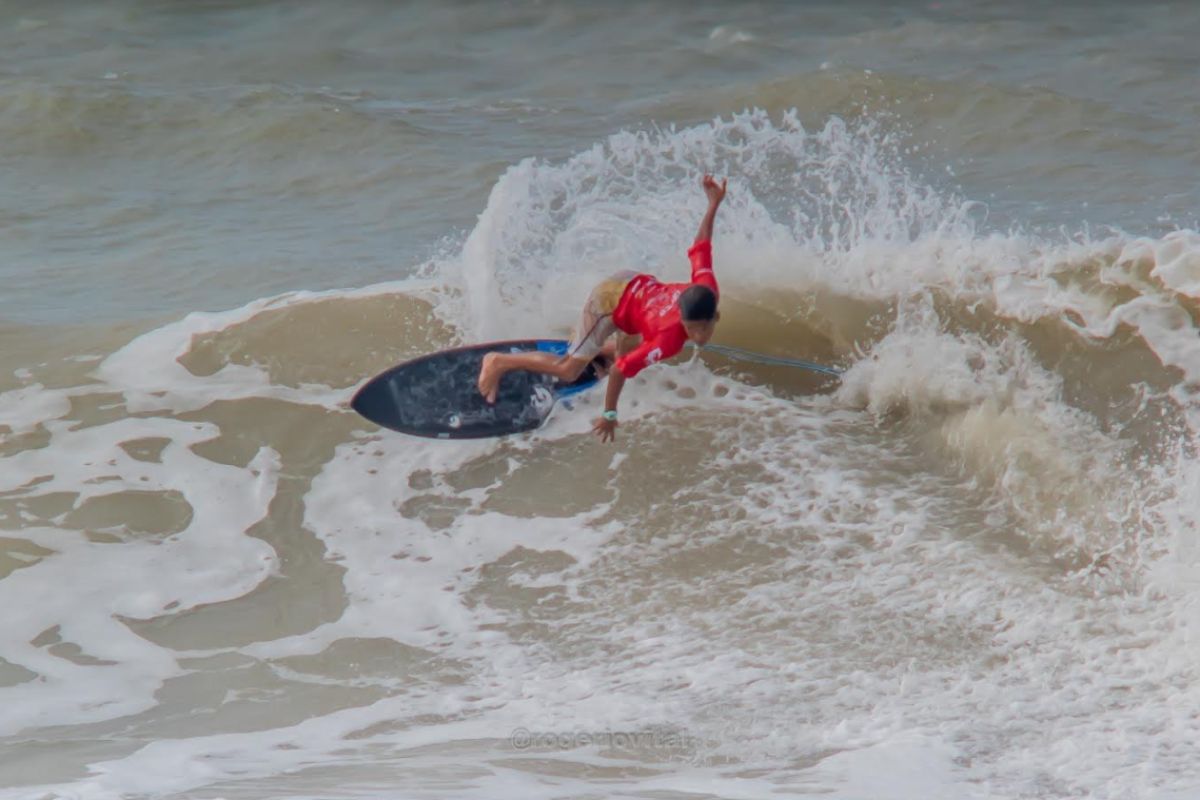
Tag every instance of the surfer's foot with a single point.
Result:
(489, 377)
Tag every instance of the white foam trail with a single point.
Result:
(170, 386)
(22, 410)
(211, 560)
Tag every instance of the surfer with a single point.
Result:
(631, 305)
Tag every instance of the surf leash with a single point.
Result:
(774, 361)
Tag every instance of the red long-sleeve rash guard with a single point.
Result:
(651, 309)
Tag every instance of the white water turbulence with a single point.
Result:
(966, 570)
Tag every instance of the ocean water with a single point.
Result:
(968, 569)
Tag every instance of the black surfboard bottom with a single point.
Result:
(436, 395)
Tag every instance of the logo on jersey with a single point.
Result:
(653, 356)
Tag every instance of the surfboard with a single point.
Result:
(436, 395)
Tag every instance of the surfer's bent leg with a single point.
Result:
(495, 365)
(595, 328)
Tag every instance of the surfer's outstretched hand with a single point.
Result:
(715, 192)
(606, 429)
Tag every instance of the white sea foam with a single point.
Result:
(170, 386)
(82, 589)
(31, 405)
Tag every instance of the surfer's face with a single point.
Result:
(701, 331)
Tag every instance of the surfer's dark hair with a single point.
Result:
(697, 303)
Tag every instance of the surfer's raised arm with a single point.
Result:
(715, 193)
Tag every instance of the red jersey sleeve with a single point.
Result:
(700, 254)
(649, 352)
